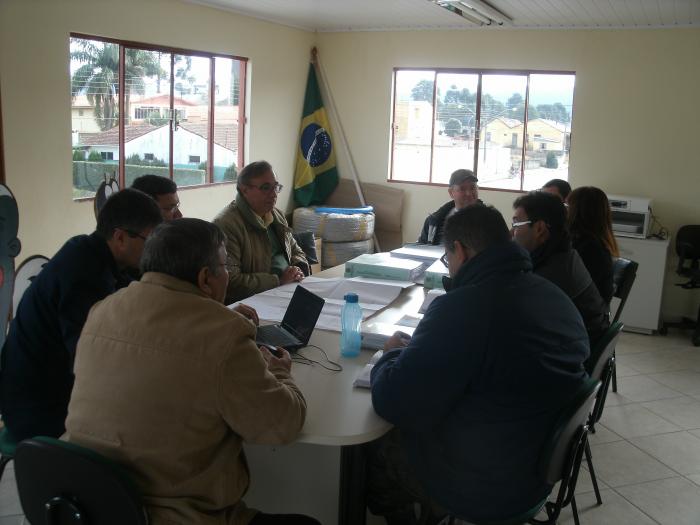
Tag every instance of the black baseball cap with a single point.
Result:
(462, 175)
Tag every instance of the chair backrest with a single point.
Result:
(559, 455)
(62, 483)
(624, 274)
(601, 366)
(688, 248)
(25, 274)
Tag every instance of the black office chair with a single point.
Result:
(62, 483)
(688, 250)
(624, 274)
(560, 460)
(600, 367)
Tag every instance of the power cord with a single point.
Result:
(305, 360)
(663, 232)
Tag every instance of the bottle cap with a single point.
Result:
(351, 298)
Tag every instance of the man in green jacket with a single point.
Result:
(262, 252)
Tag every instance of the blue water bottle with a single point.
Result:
(350, 321)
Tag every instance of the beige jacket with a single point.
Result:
(249, 250)
(170, 384)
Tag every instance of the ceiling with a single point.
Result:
(398, 15)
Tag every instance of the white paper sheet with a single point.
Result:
(271, 305)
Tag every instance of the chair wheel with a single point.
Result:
(663, 330)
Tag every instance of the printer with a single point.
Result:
(631, 216)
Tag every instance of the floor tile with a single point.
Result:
(684, 381)
(621, 463)
(603, 435)
(680, 450)
(681, 411)
(642, 388)
(658, 361)
(635, 420)
(624, 371)
(9, 500)
(670, 501)
(614, 510)
(11, 520)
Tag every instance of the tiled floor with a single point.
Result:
(646, 452)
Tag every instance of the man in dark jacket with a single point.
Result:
(539, 226)
(477, 389)
(36, 372)
(464, 191)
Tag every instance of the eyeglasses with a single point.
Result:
(134, 234)
(267, 187)
(171, 209)
(520, 223)
(443, 260)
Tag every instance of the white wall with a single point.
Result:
(635, 110)
(35, 85)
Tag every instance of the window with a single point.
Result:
(446, 119)
(148, 109)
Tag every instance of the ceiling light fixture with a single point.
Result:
(476, 11)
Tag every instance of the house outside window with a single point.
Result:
(177, 105)
(447, 119)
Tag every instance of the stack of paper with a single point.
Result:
(426, 253)
(434, 274)
(429, 298)
(384, 266)
(363, 380)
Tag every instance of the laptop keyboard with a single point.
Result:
(276, 336)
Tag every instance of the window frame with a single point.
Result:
(212, 56)
(477, 139)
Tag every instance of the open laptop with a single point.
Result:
(298, 323)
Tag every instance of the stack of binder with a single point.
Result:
(434, 274)
(384, 266)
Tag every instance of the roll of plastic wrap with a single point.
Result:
(334, 227)
(335, 253)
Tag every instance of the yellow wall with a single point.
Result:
(635, 110)
(34, 72)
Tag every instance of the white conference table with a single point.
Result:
(322, 473)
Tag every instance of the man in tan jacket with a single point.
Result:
(262, 252)
(170, 384)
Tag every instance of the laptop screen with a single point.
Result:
(302, 313)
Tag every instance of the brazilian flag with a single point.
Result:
(316, 175)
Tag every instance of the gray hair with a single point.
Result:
(181, 248)
(253, 170)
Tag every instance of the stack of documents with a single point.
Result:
(384, 266)
(429, 298)
(363, 380)
(426, 253)
(434, 274)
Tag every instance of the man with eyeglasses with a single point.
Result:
(36, 368)
(262, 253)
(475, 392)
(539, 226)
(463, 191)
(163, 191)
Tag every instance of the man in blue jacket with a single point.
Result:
(36, 369)
(475, 392)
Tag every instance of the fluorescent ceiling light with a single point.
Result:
(476, 11)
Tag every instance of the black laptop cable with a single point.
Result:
(298, 357)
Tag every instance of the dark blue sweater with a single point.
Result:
(478, 389)
(36, 372)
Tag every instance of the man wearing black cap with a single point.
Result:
(464, 191)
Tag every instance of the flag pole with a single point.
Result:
(326, 91)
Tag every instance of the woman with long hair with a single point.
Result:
(590, 226)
